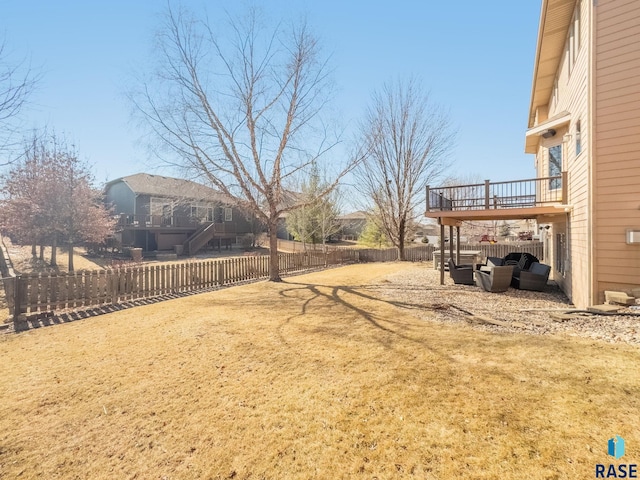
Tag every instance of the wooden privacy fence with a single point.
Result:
(32, 293)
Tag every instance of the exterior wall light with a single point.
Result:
(633, 236)
(548, 133)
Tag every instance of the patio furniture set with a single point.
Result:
(518, 270)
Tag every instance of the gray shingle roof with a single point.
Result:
(147, 184)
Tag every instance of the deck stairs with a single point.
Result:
(199, 239)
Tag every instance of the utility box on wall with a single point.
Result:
(633, 236)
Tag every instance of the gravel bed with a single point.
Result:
(524, 311)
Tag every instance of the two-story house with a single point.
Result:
(159, 213)
(584, 130)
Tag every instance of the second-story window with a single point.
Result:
(576, 23)
(555, 166)
(228, 214)
(578, 138)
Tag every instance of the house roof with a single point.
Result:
(555, 18)
(147, 184)
(359, 215)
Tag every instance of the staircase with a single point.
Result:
(199, 239)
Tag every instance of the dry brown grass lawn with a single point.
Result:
(314, 377)
(24, 262)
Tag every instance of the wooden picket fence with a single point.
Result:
(32, 293)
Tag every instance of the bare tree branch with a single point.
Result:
(239, 103)
(17, 82)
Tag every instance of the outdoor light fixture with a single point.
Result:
(548, 133)
(633, 236)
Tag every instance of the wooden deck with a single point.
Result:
(536, 198)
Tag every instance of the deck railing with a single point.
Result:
(168, 221)
(498, 195)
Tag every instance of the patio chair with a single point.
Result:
(495, 261)
(461, 274)
(520, 261)
(496, 280)
(533, 279)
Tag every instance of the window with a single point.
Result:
(573, 40)
(202, 211)
(571, 47)
(228, 214)
(576, 24)
(578, 138)
(555, 166)
(161, 211)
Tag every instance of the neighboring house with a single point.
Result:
(351, 225)
(160, 213)
(290, 198)
(584, 130)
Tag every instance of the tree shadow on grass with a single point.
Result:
(338, 294)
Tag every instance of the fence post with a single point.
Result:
(19, 293)
(486, 194)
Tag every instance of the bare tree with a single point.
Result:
(17, 82)
(240, 107)
(407, 140)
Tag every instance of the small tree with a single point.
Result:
(373, 235)
(406, 140)
(316, 220)
(505, 229)
(49, 197)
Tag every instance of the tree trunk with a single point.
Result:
(274, 263)
(54, 249)
(42, 252)
(71, 257)
(401, 234)
(33, 249)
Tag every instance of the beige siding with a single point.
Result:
(617, 139)
(573, 97)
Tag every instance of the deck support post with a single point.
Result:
(458, 245)
(451, 241)
(442, 250)
(486, 194)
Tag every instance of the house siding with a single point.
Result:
(120, 197)
(572, 96)
(617, 144)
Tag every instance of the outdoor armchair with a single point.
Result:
(498, 279)
(495, 262)
(533, 279)
(461, 274)
(520, 261)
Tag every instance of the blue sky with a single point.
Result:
(476, 59)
